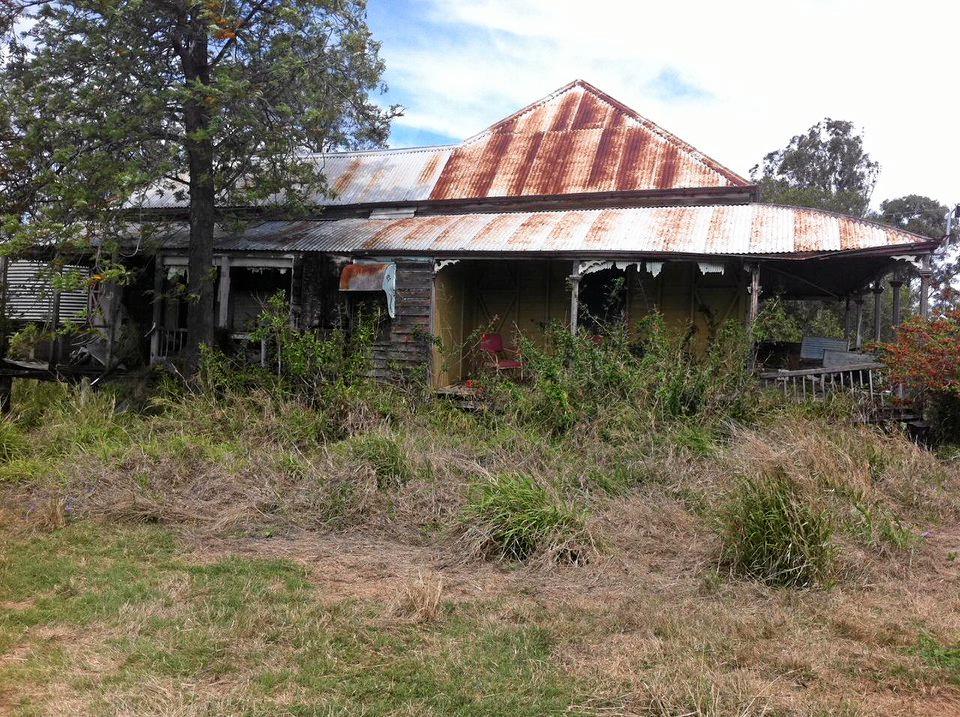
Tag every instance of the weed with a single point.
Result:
(512, 516)
(13, 444)
(772, 531)
(942, 657)
(386, 455)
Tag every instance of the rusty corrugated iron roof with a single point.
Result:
(577, 139)
(368, 177)
(745, 229)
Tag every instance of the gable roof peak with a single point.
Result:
(576, 139)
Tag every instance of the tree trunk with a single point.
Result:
(199, 146)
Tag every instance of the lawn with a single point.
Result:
(99, 620)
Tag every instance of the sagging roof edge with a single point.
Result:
(543, 202)
(872, 252)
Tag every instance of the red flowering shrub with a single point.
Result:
(926, 354)
(926, 358)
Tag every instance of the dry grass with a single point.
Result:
(419, 600)
(391, 525)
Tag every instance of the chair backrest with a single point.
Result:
(491, 343)
(813, 347)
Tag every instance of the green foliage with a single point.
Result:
(308, 358)
(386, 455)
(517, 517)
(826, 167)
(107, 106)
(773, 531)
(13, 443)
(256, 633)
(781, 320)
(915, 213)
(625, 383)
(939, 656)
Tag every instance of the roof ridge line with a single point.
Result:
(384, 150)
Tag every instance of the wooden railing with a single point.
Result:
(171, 342)
(867, 379)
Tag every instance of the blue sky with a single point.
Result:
(736, 80)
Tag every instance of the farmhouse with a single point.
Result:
(575, 209)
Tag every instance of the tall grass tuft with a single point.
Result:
(512, 516)
(13, 443)
(773, 531)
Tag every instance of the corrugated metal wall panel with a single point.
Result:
(30, 293)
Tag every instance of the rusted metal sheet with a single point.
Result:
(746, 229)
(364, 276)
(377, 176)
(381, 176)
(577, 139)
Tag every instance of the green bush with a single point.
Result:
(773, 531)
(514, 517)
(630, 380)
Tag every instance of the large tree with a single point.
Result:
(826, 167)
(219, 101)
(915, 213)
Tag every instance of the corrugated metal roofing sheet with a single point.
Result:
(728, 229)
(382, 176)
(388, 175)
(577, 139)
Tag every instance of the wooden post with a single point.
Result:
(877, 306)
(55, 320)
(6, 394)
(846, 320)
(895, 283)
(158, 272)
(574, 296)
(754, 295)
(859, 302)
(925, 274)
(223, 292)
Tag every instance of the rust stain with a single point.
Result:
(565, 112)
(718, 235)
(430, 168)
(668, 167)
(346, 179)
(601, 227)
(578, 141)
(808, 228)
(525, 164)
(527, 233)
(591, 114)
(631, 159)
(362, 277)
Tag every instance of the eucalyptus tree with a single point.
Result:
(216, 102)
(825, 167)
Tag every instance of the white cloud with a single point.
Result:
(767, 70)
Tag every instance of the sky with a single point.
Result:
(734, 79)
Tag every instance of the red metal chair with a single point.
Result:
(492, 345)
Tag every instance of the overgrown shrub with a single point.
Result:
(651, 376)
(925, 357)
(773, 531)
(512, 516)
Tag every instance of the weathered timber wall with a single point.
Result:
(404, 346)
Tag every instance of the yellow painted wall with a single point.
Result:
(478, 296)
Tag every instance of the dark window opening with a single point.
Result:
(603, 300)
